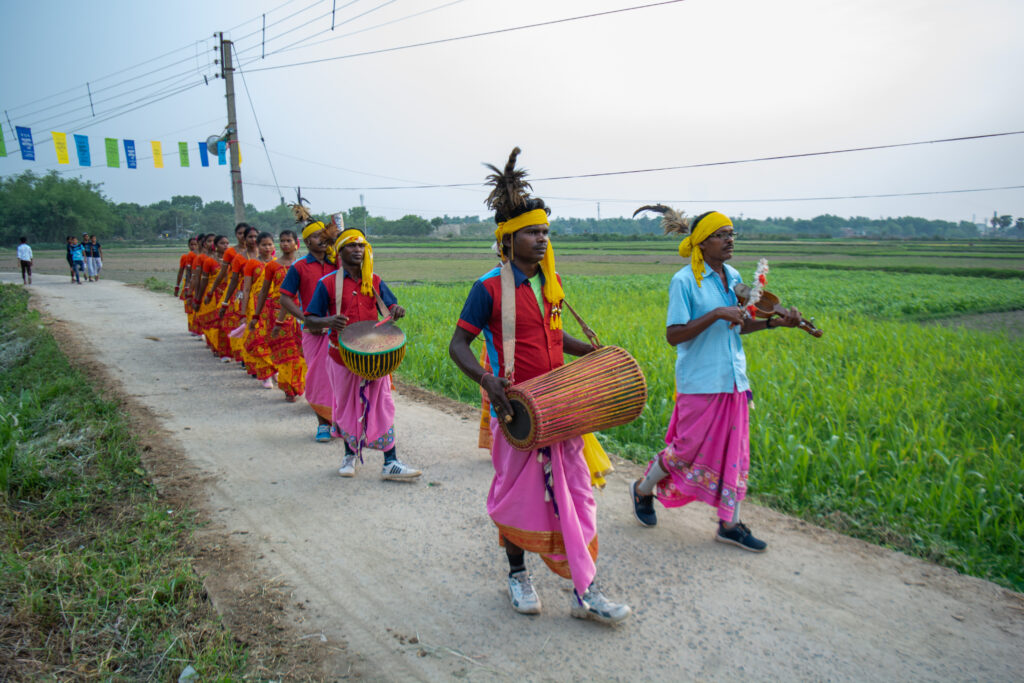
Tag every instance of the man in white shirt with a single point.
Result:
(25, 258)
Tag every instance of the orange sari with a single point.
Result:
(284, 342)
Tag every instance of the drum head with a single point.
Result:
(521, 425)
(366, 338)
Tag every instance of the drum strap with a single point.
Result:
(508, 318)
(339, 283)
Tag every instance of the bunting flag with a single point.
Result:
(113, 154)
(3, 145)
(28, 150)
(204, 155)
(82, 148)
(60, 143)
(222, 156)
(129, 153)
(158, 154)
(183, 154)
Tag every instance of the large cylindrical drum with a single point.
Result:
(603, 389)
(371, 351)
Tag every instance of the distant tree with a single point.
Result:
(49, 207)
(356, 216)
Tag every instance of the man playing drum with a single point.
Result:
(363, 410)
(540, 500)
(301, 280)
(707, 453)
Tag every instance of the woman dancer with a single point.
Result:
(232, 308)
(254, 346)
(209, 316)
(707, 453)
(185, 264)
(283, 336)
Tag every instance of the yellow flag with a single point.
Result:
(158, 155)
(60, 142)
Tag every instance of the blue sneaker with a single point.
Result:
(323, 433)
(740, 537)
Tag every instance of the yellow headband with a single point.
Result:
(312, 229)
(552, 290)
(690, 247)
(353, 236)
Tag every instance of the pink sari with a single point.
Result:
(318, 385)
(708, 452)
(363, 411)
(543, 502)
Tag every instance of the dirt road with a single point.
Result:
(407, 580)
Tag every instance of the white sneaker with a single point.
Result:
(521, 593)
(396, 470)
(225, 359)
(348, 465)
(268, 383)
(597, 607)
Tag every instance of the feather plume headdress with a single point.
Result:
(671, 220)
(514, 209)
(696, 231)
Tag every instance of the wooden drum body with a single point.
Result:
(603, 389)
(371, 351)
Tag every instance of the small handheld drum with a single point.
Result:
(603, 389)
(372, 351)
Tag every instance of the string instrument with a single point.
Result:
(768, 306)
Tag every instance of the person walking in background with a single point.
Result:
(26, 260)
(71, 263)
(707, 453)
(94, 259)
(77, 255)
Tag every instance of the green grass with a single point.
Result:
(886, 429)
(94, 581)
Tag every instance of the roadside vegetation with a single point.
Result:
(95, 581)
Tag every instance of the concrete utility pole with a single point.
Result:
(228, 74)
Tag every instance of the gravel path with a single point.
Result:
(408, 581)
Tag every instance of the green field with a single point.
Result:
(889, 429)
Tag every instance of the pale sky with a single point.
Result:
(691, 82)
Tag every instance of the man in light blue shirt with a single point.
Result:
(707, 456)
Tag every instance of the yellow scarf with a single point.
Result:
(552, 290)
(690, 247)
(312, 229)
(353, 236)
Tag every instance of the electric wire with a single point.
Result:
(481, 34)
(259, 130)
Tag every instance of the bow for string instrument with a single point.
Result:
(768, 306)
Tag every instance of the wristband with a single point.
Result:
(484, 375)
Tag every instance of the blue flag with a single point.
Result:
(204, 156)
(222, 152)
(28, 150)
(82, 147)
(129, 153)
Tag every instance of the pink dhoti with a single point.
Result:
(708, 452)
(363, 411)
(542, 501)
(318, 385)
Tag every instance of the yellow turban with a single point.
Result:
(312, 229)
(690, 247)
(552, 290)
(353, 236)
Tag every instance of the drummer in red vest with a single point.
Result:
(363, 410)
(301, 281)
(540, 500)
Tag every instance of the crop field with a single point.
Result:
(896, 431)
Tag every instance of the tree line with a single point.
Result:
(46, 208)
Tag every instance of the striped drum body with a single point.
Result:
(603, 389)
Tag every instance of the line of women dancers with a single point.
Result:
(231, 295)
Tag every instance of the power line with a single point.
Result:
(258, 128)
(468, 36)
(708, 164)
